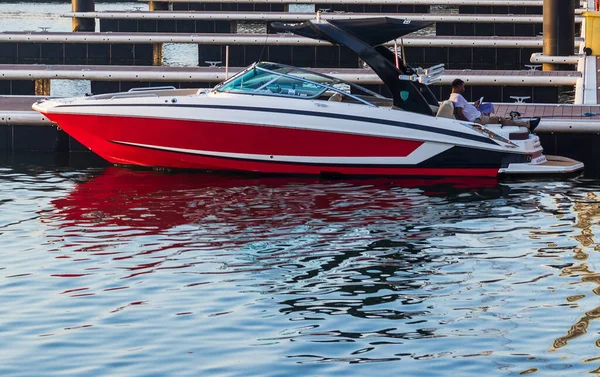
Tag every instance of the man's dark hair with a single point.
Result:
(457, 82)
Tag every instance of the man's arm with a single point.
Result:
(458, 114)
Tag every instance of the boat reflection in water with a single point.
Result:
(153, 201)
(293, 217)
(321, 271)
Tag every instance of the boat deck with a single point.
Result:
(558, 161)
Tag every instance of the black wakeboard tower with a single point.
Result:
(365, 37)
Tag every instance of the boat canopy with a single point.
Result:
(365, 36)
(273, 79)
(373, 31)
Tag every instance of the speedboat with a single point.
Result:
(277, 119)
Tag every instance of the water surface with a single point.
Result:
(109, 271)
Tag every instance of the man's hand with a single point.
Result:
(476, 104)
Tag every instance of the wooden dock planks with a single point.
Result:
(550, 110)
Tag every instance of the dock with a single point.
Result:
(227, 22)
(498, 85)
(217, 73)
(358, 6)
(258, 39)
(142, 49)
(16, 111)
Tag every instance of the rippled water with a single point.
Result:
(110, 271)
(32, 15)
(117, 272)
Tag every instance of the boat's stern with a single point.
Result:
(534, 163)
(546, 166)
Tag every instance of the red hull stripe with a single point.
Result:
(95, 132)
(235, 138)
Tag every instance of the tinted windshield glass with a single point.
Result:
(276, 80)
(281, 80)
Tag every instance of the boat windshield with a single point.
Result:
(274, 79)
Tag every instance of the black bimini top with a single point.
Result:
(365, 36)
(373, 31)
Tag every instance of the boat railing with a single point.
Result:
(145, 89)
(134, 95)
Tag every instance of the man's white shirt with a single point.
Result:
(470, 111)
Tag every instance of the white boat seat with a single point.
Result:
(446, 110)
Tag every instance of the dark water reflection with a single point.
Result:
(193, 274)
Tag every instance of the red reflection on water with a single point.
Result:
(151, 201)
(74, 290)
(106, 210)
(135, 303)
(115, 289)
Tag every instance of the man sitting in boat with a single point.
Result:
(463, 110)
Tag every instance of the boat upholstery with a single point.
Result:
(446, 110)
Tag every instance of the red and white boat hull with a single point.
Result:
(225, 132)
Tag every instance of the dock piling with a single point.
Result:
(157, 6)
(558, 30)
(42, 87)
(83, 24)
(157, 54)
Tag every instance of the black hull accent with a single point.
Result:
(461, 157)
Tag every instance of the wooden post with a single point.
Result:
(157, 54)
(158, 5)
(42, 87)
(559, 31)
(83, 24)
